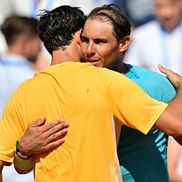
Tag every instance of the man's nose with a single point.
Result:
(91, 49)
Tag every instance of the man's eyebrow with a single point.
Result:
(95, 39)
(83, 36)
(101, 39)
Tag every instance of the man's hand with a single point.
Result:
(40, 137)
(174, 78)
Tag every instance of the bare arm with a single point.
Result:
(38, 138)
(173, 154)
(117, 129)
(1, 168)
(170, 121)
(2, 164)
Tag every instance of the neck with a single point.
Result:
(124, 68)
(118, 66)
(62, 56)
(71, 52)
(15, 50)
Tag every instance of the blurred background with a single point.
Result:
(156, 39)
(138, 11)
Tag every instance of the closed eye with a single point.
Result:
(100, 41)
(84, 39)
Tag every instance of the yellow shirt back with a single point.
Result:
(86, 97)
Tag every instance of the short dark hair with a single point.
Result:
(57, 27)
(14, 26)
(113, 14)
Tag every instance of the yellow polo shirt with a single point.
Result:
(86, 97)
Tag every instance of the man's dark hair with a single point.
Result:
(15, 26)
(112, 13)
(57, 27)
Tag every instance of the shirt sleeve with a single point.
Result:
(161, 90)
(131, 104)
(167, 90)
(11, 127)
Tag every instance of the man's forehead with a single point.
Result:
(97, 24)
(102, 34)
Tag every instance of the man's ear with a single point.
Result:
(77, 36)
(124, 43)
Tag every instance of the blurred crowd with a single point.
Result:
(156, 39)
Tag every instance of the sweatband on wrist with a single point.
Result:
(23, 164)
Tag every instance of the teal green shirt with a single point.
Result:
(143, 157)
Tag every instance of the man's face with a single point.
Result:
(99, 45)
(168, 12)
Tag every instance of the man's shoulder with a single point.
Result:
(149, 77)
(153, 83)
(144, 71)
(64, 67)
(74, 69)
(148, 26)
(26, 85)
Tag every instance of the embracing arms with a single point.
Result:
(38, 138)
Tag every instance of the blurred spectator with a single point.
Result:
(138, 11)
(16, 65)
(174, 160)
(160, 41)
(31, 8)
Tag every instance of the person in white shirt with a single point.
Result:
(31, 8)
(139, 12)
(16, 65)
(160, 41)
